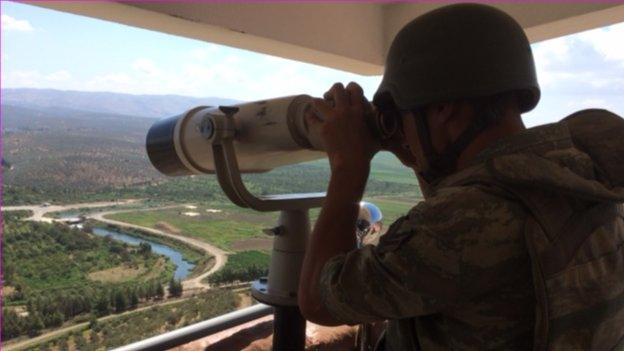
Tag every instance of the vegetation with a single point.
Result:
(189, 252)
(113, 332)
(48, 268)
(392, 207)
(94, 157)
(175, 287)
(221, 229)
(242, 266)
(55, 275)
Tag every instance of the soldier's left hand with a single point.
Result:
(349, 142)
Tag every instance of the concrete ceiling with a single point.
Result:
(344, 35)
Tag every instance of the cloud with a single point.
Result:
(58, 76)
(204, 53)
(35, 79)
(117, 82)
(146, 66)
(607, 41)
(12, 24)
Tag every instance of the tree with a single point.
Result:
(93, 322)
(55, 319)
(101, 305)
(145, 249)
(12, 324)
(160, 291)
(134, 298)
(175, 288)
(35, 326)
(121, 302)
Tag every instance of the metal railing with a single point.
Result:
(199, 330)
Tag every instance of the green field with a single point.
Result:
(235, 225)
(242, 266)
(394, 207)
(221, 229)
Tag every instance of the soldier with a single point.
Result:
(519, 243)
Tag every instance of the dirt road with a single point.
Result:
(192, 283)
(220, 256)
(24, 344)
(39, 211)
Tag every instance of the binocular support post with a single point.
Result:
(290, 236)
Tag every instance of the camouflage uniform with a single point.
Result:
(456, 272)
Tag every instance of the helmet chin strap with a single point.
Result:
(443, 164)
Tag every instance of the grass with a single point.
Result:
(221, 229)
(242, 266)
(245, 259)
(393, 207)
(233, 224)
(125, 273)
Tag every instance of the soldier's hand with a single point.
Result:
(349, 142)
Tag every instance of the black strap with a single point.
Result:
(445, 163)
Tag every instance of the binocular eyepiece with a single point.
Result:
(265, 135)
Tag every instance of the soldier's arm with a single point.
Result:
(447, 250)
(333, 234)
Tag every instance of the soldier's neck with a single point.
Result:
(509, 125)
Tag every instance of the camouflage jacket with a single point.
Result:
(455, 272)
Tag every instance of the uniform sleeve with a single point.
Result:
(438, 255)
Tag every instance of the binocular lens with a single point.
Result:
(160, 145)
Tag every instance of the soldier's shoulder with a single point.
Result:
(453, 213)
(453, 203)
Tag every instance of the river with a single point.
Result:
(183, 267)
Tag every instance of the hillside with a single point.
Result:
(155, 106)
(64, 154)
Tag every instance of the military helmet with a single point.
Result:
(458, 51)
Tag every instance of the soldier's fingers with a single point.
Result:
(321, 109)
(311, 117)
(329, 98)
(356, 94)
(339, 95)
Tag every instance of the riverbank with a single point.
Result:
(191, 254)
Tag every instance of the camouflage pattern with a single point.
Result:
(488, 260)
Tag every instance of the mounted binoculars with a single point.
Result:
(265, 134)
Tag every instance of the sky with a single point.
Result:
(42, 48)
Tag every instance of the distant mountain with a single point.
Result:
(154, 106)
(59, 149)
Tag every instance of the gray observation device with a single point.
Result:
(264, 135)
(249, 138)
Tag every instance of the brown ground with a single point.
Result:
(253, 244)
(244, 299)
(167, 227)
(7, 290)
(117, 274)
(256, 336)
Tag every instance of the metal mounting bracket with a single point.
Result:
(280, 288)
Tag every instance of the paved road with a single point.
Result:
(192, 283)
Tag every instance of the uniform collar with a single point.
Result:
(537, 140)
